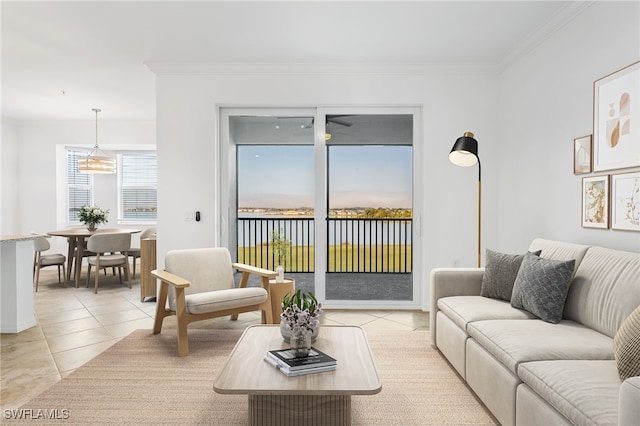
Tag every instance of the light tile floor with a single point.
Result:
(75, 325)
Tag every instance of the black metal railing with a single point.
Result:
(254, 237)
(369, 245)
(354, 245)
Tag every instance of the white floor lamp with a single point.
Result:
(465, 153)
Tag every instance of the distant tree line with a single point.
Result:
(382, 212)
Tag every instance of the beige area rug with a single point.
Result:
(140, 380)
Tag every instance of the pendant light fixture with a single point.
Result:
(97, 161)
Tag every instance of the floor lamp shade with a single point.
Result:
(465, 153)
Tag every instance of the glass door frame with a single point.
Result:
(228, 193)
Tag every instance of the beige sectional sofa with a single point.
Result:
(531, 372)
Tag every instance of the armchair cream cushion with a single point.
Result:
(198, 284)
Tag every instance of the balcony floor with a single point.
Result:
(361, 286)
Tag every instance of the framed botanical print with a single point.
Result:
(582, 155)
(595, 202)
(616, 119)
(625, 201)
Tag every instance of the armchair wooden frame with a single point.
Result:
(184, 318)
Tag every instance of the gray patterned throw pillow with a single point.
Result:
(541, 287)
(500, 273)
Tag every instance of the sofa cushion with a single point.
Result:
(500, 273)
(605, 290)
(626, 346)
(628, 407)
(515, 341)
(465, 309)
(559, 250)
(585, 391)
(542, 285)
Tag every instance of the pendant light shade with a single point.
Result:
(97, 161)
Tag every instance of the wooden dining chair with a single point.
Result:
(72, 265)
(112, 250)
(43, 260)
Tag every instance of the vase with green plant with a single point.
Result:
(281, 247)
(300, 319)
(92, 216)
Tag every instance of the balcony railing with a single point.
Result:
(353, 244)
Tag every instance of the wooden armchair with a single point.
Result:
(199, 285)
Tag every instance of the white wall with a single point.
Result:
(452, 103)
(545, 101)
(9, 177)
(37, 196)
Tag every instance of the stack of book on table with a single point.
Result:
(286, 361)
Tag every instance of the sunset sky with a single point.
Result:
(360, 176)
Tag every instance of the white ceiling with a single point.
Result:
(60, 59)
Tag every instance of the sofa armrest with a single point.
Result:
(452, 282)
(628, 404)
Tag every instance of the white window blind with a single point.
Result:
(79, 186)
(138, 189)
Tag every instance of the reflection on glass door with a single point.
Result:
(275, 194)
(369, 223)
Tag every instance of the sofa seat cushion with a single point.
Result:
(585, 391)
(514, 341)
(465, 309)
(221, 300)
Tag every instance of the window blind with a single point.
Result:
(138, 189)
(79, 186)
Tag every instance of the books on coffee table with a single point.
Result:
(287, 363)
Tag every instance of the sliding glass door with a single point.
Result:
(338, 186)
(370, 212)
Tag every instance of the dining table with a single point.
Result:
(76, 239)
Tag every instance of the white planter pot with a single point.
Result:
(286, 333)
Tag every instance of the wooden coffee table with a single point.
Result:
(318, 399)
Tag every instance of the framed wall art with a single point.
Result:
(582, 155)
(595, 202)
(625, 201)
(616, 119)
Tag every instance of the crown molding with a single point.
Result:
(301, 69)
(558, 21)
